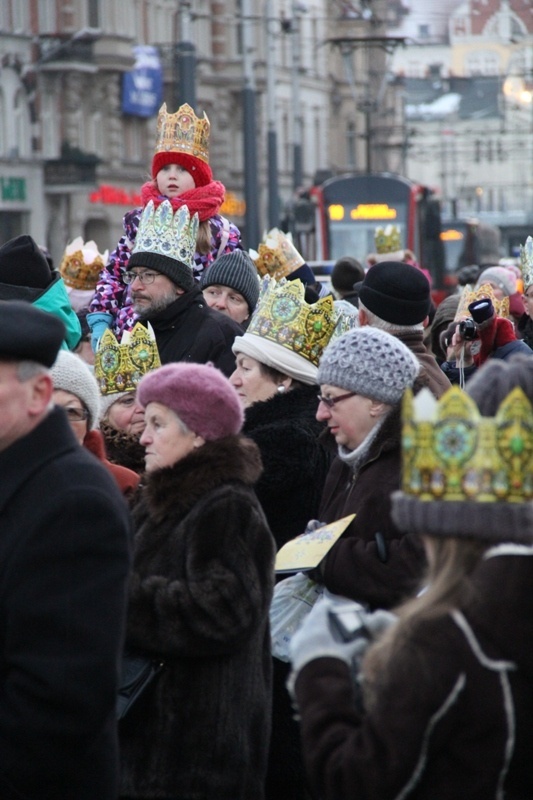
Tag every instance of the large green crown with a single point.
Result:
(452, 453)
(167, 233)
(526, 262)
(283, 316)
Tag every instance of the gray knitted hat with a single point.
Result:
(370, 362)
(236, 270)
(73, 375)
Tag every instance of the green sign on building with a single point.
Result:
(13, 188)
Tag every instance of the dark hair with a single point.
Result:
(345, 273)
(275, 374)
(496, 378)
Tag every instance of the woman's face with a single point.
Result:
(251, 384)
(164, 438)
(528, 300)
(126, 414)
(351, 419)
(172, 180)
(77, 413)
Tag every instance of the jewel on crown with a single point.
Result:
(82, 263)
(277, 255)
(167, 233)
(452, 453)
(283, 316)
(526, 262)
(183, 132)
(118, 367)
(483, 292)
(388, 239)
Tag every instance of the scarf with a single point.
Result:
(203, 200)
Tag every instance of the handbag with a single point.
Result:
(293, 599)
(137, 674)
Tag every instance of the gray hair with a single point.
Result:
(29, 369)
(389, 327)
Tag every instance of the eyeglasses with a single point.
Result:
(331, 401)
(145, 277)
(76, 414)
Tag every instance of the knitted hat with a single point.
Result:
(29, 334)
(22, 263)
(199, 170)
(236, 270)
(73, 375)
(370, 362)
(200, 395)
(502, 277)
(183, 138)
(396, 292)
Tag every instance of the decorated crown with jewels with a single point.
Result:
(183, 132)
(452, 453)
(120, 367)
(167, 233)
(277, 255)
(388, 239)
(483, 292)
(283, 316)
(81, 264)
(526, 262)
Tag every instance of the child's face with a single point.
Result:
(172, 180)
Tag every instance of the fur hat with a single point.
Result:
(236, 270)
(199, 394)
(29, 334)
(396, 292)
(73, 375)
(502, 277)
(22, 263)
(370, 362)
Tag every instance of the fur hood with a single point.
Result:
(171, 492)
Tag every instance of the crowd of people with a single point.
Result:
(172, 415)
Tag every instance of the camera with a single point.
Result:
(347, 624)
(468, 329)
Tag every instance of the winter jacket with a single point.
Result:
(452, 716)
(199, 596)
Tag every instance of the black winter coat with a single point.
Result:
(64, 559)
(188, 330)
(199, 598)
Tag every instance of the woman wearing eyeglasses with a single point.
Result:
(363, 376)
(76, 391)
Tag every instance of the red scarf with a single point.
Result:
(204, 200)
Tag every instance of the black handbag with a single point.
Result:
(137, 673)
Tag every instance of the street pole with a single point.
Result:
(185, 58)
(272, 143)
(251, 192)
(297, 122)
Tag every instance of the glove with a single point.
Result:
(98, 322)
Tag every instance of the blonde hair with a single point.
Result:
(204, 239)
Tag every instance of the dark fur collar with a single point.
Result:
(173, 491)
(299, 404)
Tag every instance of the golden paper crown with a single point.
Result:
(483, 292)
(526, 262)
(452, 453)
(120, 367)
(388, 239)
(277, 255)
(167, 233)
(81, 264)
(183, 132)
(283, 316)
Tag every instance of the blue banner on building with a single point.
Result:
(142, 88)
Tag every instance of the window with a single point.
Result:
(46, 16)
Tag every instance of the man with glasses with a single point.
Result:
(64, 551)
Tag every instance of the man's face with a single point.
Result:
(18, 404)
(151, 292)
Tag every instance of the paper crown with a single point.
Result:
(388, 239)
(183, 132)
(452, 453)
(277, 255)
(81, 264)
(283, 316)
(120, 367)
(526, 262)
(165, 233)
(483, 292)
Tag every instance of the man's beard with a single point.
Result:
(147, 311)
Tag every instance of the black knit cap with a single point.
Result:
(237, 271)
(396, 292)
(176, 271)
(22, 263)
(29, 334)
